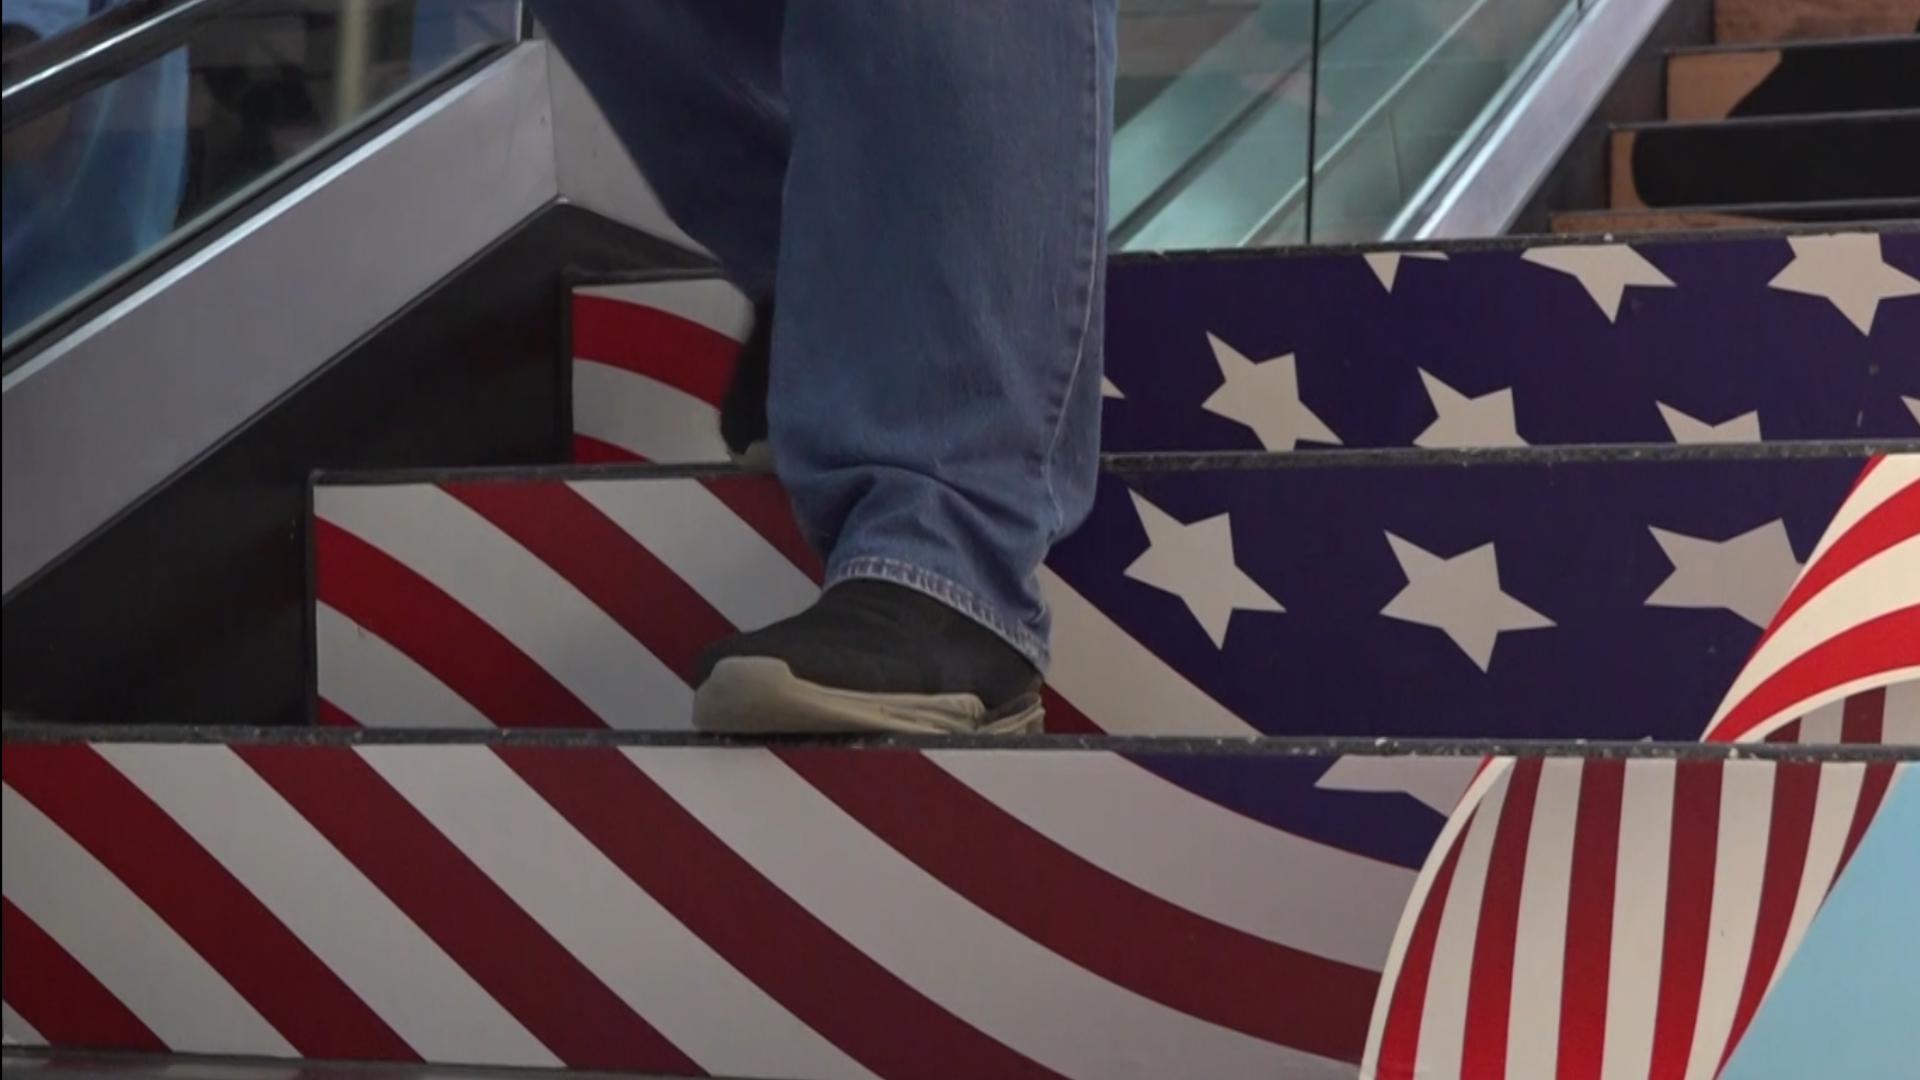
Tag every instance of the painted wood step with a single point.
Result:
(1575, 593)
(1813, 158)
(1806, 77)
(1379, 347)
(1755, 217)
(1744, 21)
(1077, 908)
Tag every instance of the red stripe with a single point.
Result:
(1589, 954)
(461, 650)
(1861, 718)
(1788, 732)
(61, 999)
(1796, 785)
(1400, 1042)
(1874, 647)
(656, 344)
(1896, 519)
(1483, 1051)
(1063, 718)
(205, 904)
(532, 976)
(1071, 907)
(1690, 873)
(1873, 789)
(327, 714)
(828, 984)
(762, 503)
(615, 571)
(588, 450)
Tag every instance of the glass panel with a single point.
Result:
(91, 187)
(1406, 84)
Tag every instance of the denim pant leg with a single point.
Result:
(937, 359)
(693, 90)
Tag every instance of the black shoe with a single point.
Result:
(868, 656)
(743, 412)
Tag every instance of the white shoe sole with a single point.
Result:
(759, 695)
(757, 458)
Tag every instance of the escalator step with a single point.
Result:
(1750, 21)
(1813, 77)
(1815, 158)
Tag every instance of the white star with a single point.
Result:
(1266, 398)
(1486, 420)
(1604, 270)
(1460, 597)
(1748, 574)
(1848, 271)
(1108, 390)
(1386, 264)
(1195, 563)
(1689, 430)
(1913, 406)
(1436, 781)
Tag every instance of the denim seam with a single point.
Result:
(948, 592)
(1091, 271)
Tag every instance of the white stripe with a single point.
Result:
(1823, 725)
(377, 684)
(688, 992)
(1443, 1016)
(1196, 854)
(512, 590)
(375, 948)
(1833, 808)
(121, 941)
(1437, 782)
(1119, 683)
(1016, 991)
(711, 302)
(643, 416)
(1900, 722)
(1885, 583)
(1739, 868)
(1639, 918)
(17, 1031)
(1886, 480)
(1540, 935)
(706, 545)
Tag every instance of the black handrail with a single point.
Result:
(51, 73)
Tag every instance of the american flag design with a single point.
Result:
(1688, 341)
(757, 912)
(1577, 919)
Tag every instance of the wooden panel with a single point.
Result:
(1783, 20)
(1708, 86)
(1593, 222)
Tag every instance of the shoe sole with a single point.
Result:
(756, 458)
(758, 695)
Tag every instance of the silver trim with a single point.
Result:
(1491, 189)
(112, 410)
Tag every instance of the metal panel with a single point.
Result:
(99, 419)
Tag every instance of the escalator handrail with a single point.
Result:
(51, 73)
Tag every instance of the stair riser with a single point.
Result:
(1754, 216)
(1826, 78)
(1746, 21)
(1374, 339)
(594, 598)
(1797, 159)
(820, 911)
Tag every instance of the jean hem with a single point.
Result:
(947, 591)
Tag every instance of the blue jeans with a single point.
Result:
(923, 185)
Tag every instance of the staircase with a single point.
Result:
(1800, 111)
(1481, 660)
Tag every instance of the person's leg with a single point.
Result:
(936, 379)
(693, 90)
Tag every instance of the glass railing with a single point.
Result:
(132, 124)
(1221, 104)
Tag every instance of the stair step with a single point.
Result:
(1092, 907)
(1587, 337)
(1545, 593)
(1813, 158)
(1741, 21)
(1755, 216)
(1806, 77)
